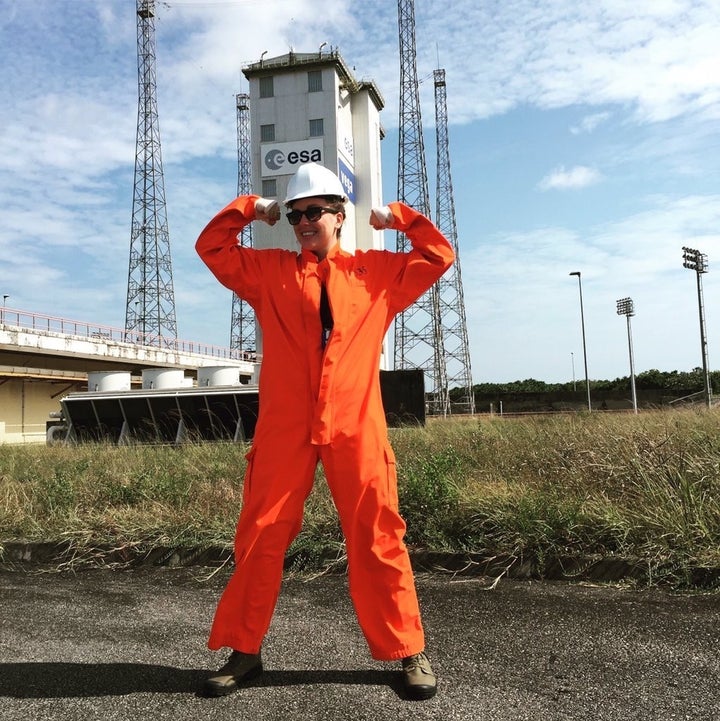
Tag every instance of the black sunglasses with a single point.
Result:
(313, 213)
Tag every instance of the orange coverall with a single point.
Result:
(322, 405)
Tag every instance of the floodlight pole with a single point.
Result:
(697, 261)
(582, 325)
(626, 307)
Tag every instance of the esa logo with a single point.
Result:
(346, 180)
(275, 159)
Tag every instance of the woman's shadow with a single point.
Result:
(76, 680)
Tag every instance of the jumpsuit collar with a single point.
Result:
(309, 258)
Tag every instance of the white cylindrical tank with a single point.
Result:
(162, 378)
(108, 381)
(218, 376)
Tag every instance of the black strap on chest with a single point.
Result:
(325, 314)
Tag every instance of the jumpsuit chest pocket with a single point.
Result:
(360, 293)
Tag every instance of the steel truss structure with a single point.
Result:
(450, 288)
(242, 325)
(418, 330)
(150, 308)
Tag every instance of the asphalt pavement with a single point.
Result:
(130, 646)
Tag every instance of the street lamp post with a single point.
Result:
(582, 325)
(2, 317)
(697, 261)
(626, 307)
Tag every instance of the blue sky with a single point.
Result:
(583, 137)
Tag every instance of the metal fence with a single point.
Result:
(11, 318)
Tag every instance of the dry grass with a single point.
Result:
(645, 487)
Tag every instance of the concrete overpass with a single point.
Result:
(42, 358)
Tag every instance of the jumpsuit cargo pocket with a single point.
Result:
(247, 480)
(391, 478)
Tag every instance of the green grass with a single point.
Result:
(643, 487)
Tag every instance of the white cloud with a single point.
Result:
(590, 122)
(657, 59)
(570, 179)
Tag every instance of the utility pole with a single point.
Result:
(582, 325)
(450, 288)
(150, 307)
(418, 330)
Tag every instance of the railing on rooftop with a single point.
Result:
(14, 318)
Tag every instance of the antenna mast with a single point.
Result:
(242, 325)
(418, 332)
(150, 309)
(450, 288)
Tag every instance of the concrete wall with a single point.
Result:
(367, 160)
(25, 407)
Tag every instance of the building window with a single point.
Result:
(315, 81)
(267, 133)
(269, 188)
(266, 87)
(316, 128)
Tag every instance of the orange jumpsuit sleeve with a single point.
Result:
(237, 268)
(430, 256)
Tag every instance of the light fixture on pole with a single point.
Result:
(626, 307)
(2, 317)
(697, 261)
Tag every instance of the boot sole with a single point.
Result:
(213, 690)
(420, 693)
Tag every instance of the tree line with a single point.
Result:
(677, 382)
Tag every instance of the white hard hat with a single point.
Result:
(312, 180)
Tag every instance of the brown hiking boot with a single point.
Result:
(420, 681)
(239, 667)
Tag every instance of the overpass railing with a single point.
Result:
(14, 318)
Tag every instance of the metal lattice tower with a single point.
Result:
(150, 310)
(242, 325)
(450, 288)
(418, 332)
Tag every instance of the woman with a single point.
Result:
(323, 313)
